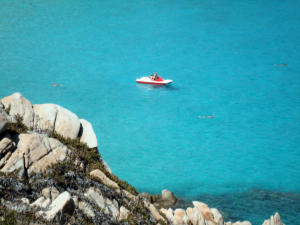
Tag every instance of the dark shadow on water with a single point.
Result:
(254, 205)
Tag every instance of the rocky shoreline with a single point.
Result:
(51, 173)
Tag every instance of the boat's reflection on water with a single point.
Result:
(150, 87)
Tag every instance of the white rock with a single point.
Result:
(53, 117)
(46, 203)
(46, 192)
(34, 146)
(168, 196)
(54, 193)
(217, 216)
(274, 220)
(67, 123)
(25, 201)
(35, 152)
(128, 194)
(63, 203)
(88, 135)
(45, 116)
(204, 210)
(155, 213)
(168, 213)
(39, 202)
(195, 216)
(124, 213)
(57, 153)
(98, 174)
(242, 223)
(50, 192)
(75, 199)
(113, 207)
(210, 222)
(109, 207)
(5, 145)
(95, 196)
(15, 163)
(5, 159)
(180, 217)
(246, 223)
(21, 106)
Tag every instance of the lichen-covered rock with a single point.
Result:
(15, 205)
(19, 106)
(88, 135)
(86, 208)
(274, 220)
(51, 117)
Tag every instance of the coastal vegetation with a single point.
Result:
(48, 176)
(91, 159)
(17, 127)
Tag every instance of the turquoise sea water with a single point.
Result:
(225, 58)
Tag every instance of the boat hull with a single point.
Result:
(147, 80)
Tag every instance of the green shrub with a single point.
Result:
(92, 159)
(9, 218)
(17, 127)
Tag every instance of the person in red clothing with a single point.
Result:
(57, 85)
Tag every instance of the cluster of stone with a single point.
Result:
(48, 118)
(94, 196)
(35, 151)
(29, 154)
(200, 214)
